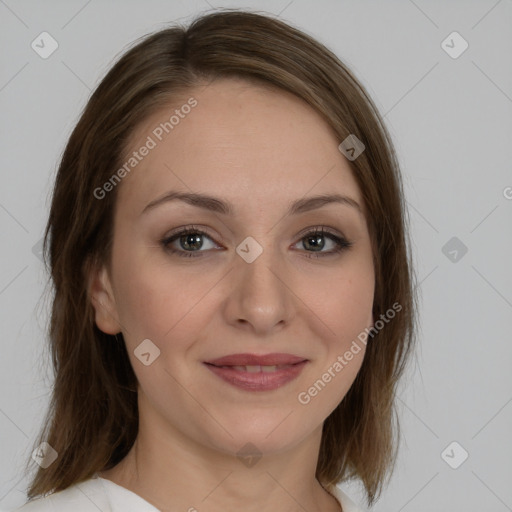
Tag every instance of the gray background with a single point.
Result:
(451, 120)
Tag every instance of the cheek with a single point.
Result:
(154, 305)
(352, 312)
(349, 301)
(149, 300)
(348, 314)
(158, 301)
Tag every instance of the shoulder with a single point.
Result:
(347, 504)
(86, 496)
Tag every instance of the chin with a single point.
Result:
(265, 435)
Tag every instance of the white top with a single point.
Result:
(104, 495)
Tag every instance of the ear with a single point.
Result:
(103, 300)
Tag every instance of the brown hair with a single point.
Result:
(92, 420)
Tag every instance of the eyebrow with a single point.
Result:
(218, 205)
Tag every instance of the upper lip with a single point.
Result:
(256, 360)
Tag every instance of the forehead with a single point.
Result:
(240, 141)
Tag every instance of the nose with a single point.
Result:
(261, 300)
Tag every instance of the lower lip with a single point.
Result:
(258, 381)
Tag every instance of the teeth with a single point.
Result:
(254, 368)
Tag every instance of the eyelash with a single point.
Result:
(341, 243)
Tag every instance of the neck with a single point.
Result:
(174, 472)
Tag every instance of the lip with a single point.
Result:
(256, 360)
(227, 368)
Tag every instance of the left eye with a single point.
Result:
(190, 241)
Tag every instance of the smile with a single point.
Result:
(257, 368)
(258, 377)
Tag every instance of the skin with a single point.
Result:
(259, 149)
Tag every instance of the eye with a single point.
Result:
(189, 239)
(314, 240)
(190, 242)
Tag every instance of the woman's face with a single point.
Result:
(262, 280)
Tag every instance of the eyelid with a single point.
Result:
(188, 228)
(177, 233)
(322, 228)
(203, 230)
(339, 239)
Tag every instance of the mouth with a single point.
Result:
(257, 368)
(257, 373)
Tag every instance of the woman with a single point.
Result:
(233, 297)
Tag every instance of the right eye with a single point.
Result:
(188, 239)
